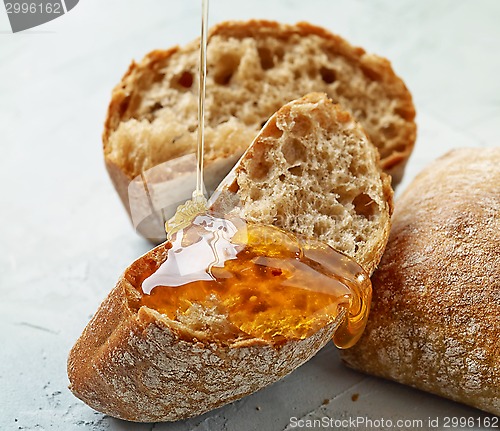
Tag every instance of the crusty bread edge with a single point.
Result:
(372, 260)
(411, 324)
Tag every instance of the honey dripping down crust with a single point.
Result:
(269, 284)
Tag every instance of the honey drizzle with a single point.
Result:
(201, 99)
(198, 204)
(267, 283)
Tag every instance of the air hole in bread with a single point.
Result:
(182, 81)
(362, 170)
(260, 169)
(234, 187)
(320, 228)
(259, 165)
(255, 194)
(293, 150)
(279, 53)
(296, 170)
(157, 106)
(274, 130)
(327, 75)
(364, 205)
(301, 127)
(282, 177)
(266, 58)
(186, 79)
(192, 128)
(360, 114)
(390, 131)
(225, 68)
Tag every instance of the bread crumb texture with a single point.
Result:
(312, 171)
(435, 317)
(254, 68)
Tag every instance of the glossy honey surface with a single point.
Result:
(271, 285)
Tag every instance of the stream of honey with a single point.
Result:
(198, 203)
(265, 282)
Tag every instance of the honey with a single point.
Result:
(268, 283)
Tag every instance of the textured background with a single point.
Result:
(64, 238)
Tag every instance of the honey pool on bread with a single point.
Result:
(268, 284)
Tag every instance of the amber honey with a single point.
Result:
(270, 284)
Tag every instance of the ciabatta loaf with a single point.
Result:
(254, 68)
(435, 317)
(137, 364)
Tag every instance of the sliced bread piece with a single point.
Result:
(254, 68)
(312, 171)
(137, 364)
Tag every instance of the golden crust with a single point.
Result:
(435, 317)
(136, 365)
(139, 77)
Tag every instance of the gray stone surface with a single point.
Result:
(64, 238)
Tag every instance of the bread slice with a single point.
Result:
(254, 68)
(435, 317)
(312, 171)
(137, 364)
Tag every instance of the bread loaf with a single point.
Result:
(435, 317)
(254, 68)
(139, 365)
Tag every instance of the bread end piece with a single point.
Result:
(434, 323)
